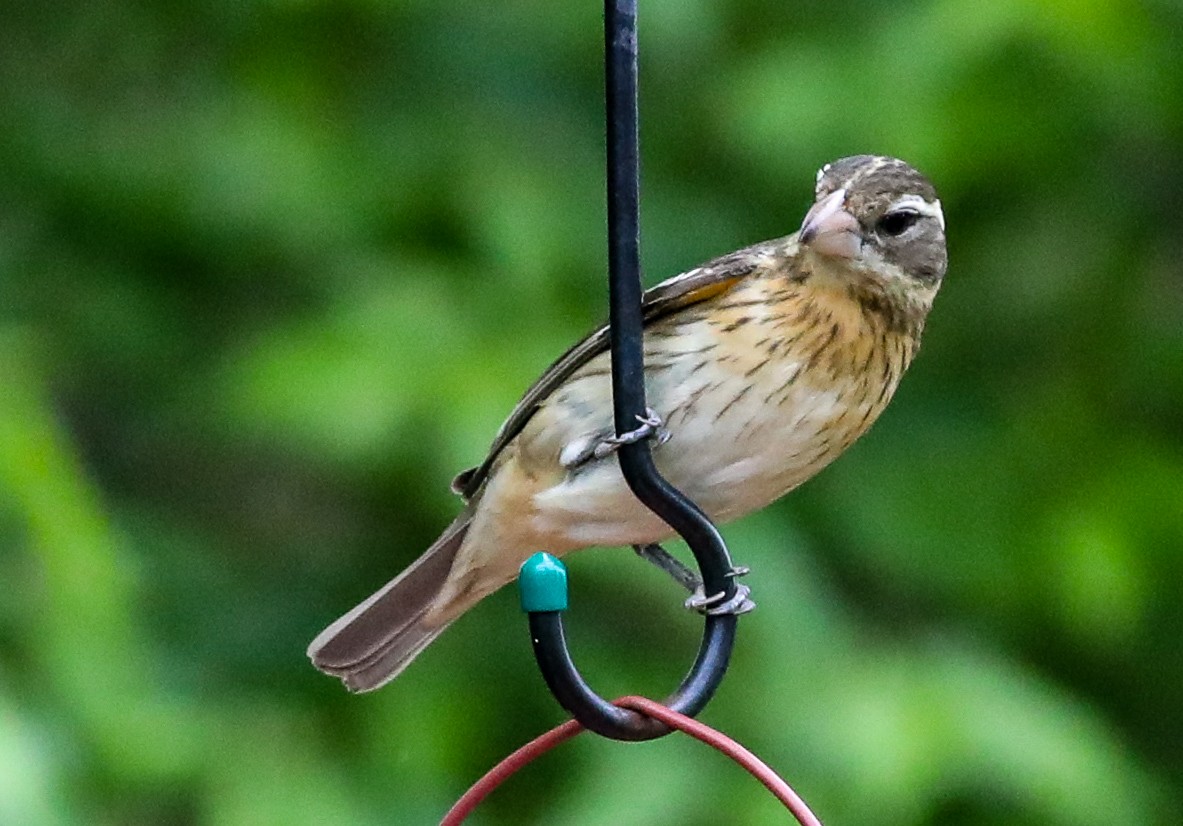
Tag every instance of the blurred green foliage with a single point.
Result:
(270, 273)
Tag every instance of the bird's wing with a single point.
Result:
(711, 279)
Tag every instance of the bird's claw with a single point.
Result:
(652, 426)
(715, 606)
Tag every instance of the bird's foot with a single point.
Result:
(716, 606)
(652, 427)
(713, 605)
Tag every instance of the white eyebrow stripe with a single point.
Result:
(931, 209)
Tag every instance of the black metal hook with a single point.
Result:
(636, 462)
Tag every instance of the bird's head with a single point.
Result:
(879, 217)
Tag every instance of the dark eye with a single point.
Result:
(895, 223)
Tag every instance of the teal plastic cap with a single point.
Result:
(542, 583)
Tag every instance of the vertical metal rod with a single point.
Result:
(628, 366)
(624, 231)
(625, 315)
(626, 335)
(628, 395)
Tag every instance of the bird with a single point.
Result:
(761, 367)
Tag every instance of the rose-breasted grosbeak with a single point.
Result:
(763, 366)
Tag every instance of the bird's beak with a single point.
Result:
(828, 229)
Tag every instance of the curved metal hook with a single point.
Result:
(628, 396)
(543, 585)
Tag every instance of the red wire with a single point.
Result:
(506, 768)
(700, 731)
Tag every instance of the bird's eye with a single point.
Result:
(897, 221)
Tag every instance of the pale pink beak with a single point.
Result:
(828, 229)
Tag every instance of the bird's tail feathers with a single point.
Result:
(369, 646)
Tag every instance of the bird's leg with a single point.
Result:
(669, 563)
(652, 426)
(713, 605)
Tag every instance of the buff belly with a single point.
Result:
(729, 461)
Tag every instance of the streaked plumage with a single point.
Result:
(764, 364)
